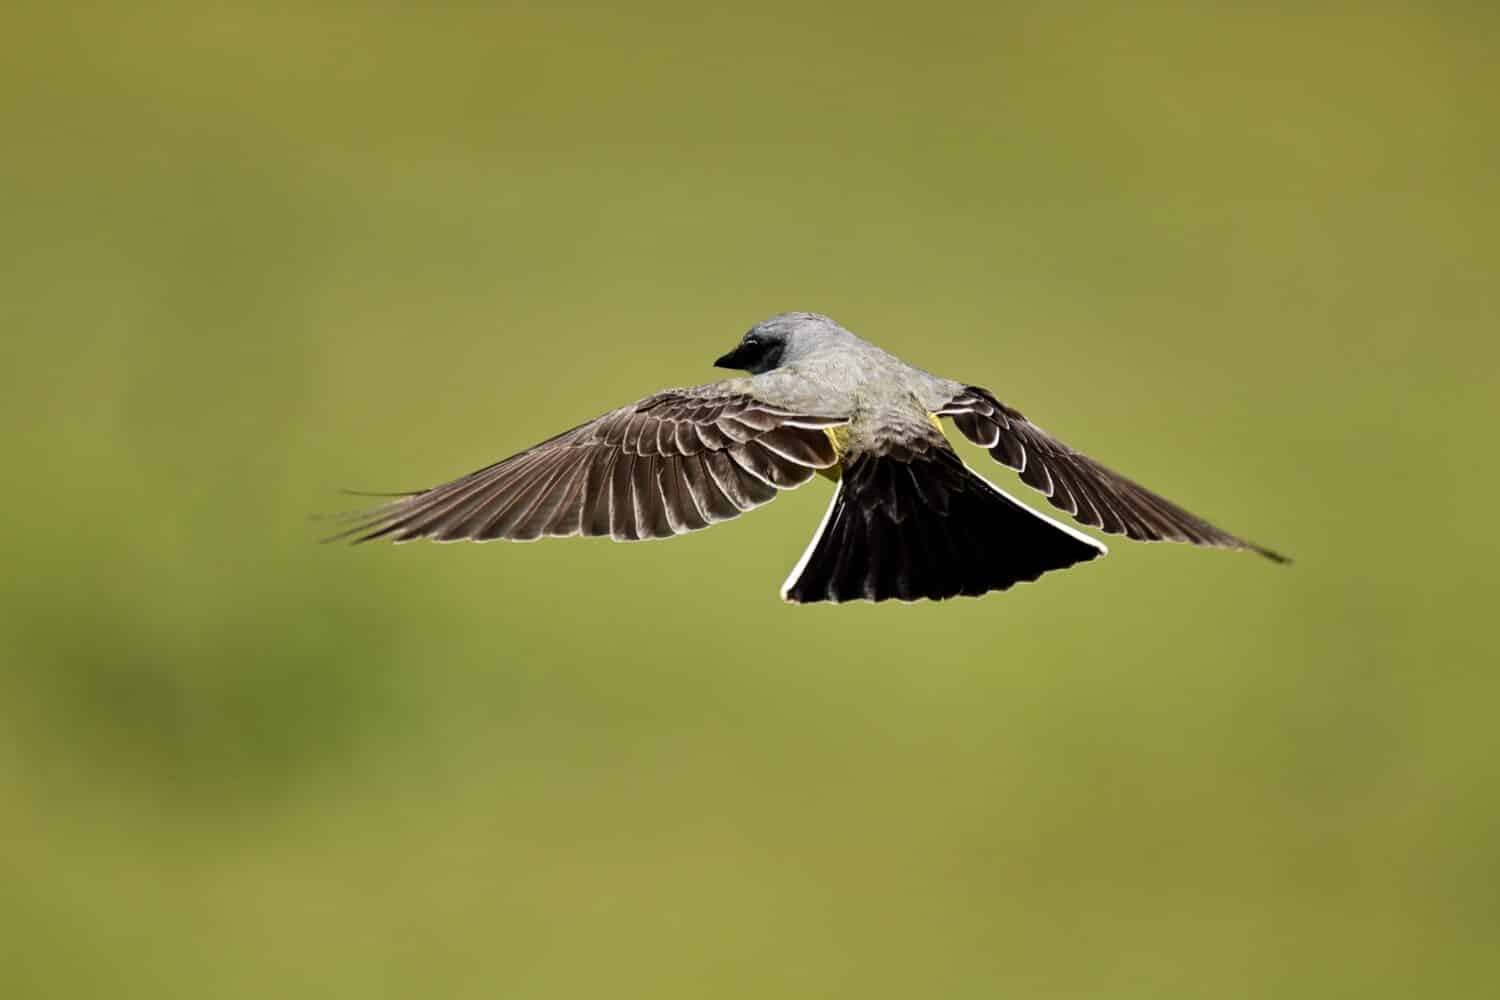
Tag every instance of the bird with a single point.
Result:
(908, 520)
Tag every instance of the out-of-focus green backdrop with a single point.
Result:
(251, 255)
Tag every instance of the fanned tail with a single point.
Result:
(927, 527)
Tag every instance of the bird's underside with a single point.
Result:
(908, 519)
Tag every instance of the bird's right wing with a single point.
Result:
(1073, 482)
(674, 462)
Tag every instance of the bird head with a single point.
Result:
(782, 340)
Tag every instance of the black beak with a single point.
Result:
(738, 359)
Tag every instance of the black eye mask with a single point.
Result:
(754, 356)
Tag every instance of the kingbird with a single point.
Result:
(908, 519)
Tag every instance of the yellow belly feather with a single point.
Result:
(839, 438)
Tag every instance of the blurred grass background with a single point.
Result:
(255, 254)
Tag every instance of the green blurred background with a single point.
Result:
(254, 255)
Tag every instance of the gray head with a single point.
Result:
(784, 339)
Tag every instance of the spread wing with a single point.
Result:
(1075, 483)
(675, 462)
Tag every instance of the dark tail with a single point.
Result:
(927, 528)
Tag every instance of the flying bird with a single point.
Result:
(908, 519)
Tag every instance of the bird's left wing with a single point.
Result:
(1075, 483)
(674, 462)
